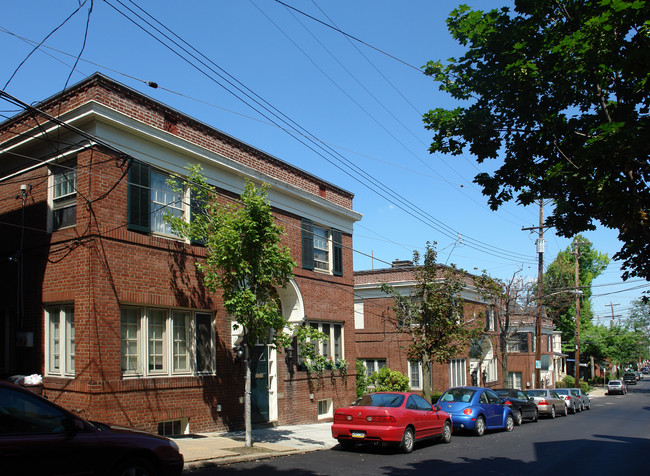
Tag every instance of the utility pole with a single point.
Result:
(540, 310)
(614, 316)
(578, 293)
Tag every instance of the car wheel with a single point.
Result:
(510, 423)
(553, 412)
(346, 444)
(408, 440)
(588, 407)
(136, 467)
(518, 417)
(446, 433)
(536, 417)
(479, 426)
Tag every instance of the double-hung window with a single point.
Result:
(151, 197)
(373, 365)
(457, 373)
(332, 347)
(60, 340)
(156, 342)
(64, 195)
(415, 374)
(518, 342)
(322, 248)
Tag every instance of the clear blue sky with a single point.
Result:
(364, 101)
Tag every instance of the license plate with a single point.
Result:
(358, 434)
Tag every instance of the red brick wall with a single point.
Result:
(99, 266)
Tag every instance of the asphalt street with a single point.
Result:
(612, 437)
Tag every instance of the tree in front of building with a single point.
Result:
(432, 314)
(512, 302)
(245, 260)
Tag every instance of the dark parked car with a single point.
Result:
(476, 409)
(522, 407)
(398, 418)
(41, 438)
(629, 378)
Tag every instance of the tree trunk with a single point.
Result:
(247, 399)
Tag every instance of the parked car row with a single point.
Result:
(403, 418)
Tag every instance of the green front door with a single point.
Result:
(260, 384)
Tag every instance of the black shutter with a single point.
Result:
(337, 248)
(307, 244)
(197, 207)
(139, 197)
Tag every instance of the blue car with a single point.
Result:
(476, 409)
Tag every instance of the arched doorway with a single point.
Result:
(264, 383)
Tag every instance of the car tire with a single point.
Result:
(552, 415)
(510, 423)
(479, 426)
(566, 411)
(408, 440)
(588, 407)
(136, 467)
(346, 444)
(519, 418)
(536, 417)
(446, 433)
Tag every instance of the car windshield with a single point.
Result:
(536, 393)
(615, 382)
(458, 395)
(505, 393)
(380, 400)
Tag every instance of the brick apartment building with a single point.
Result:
(379, 343)
(109, 307)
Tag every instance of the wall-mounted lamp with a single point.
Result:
(289, 353)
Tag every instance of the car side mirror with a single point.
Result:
(436, 408)
(73, 425)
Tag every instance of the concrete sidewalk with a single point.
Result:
(224, 448)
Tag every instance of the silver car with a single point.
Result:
(573, 403)
(616, 386)
(585, 401)
(548, 402)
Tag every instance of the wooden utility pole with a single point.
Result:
(578, 293)
(540, 288)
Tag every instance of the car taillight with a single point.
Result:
(567, 398)
(342, 417)
(543, 402)
(467, 411)
(507, 402)
(381, 418)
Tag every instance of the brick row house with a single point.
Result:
(380, 343)
(102, 300)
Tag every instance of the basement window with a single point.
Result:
(173, 427)
(325, 408)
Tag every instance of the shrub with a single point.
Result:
(362, 379)
(387, 380)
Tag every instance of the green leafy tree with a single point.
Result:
(245, 260)
(559, 91)
(432, 314)
(387, 380)
(559, 287)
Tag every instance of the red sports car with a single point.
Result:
(383, 418)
